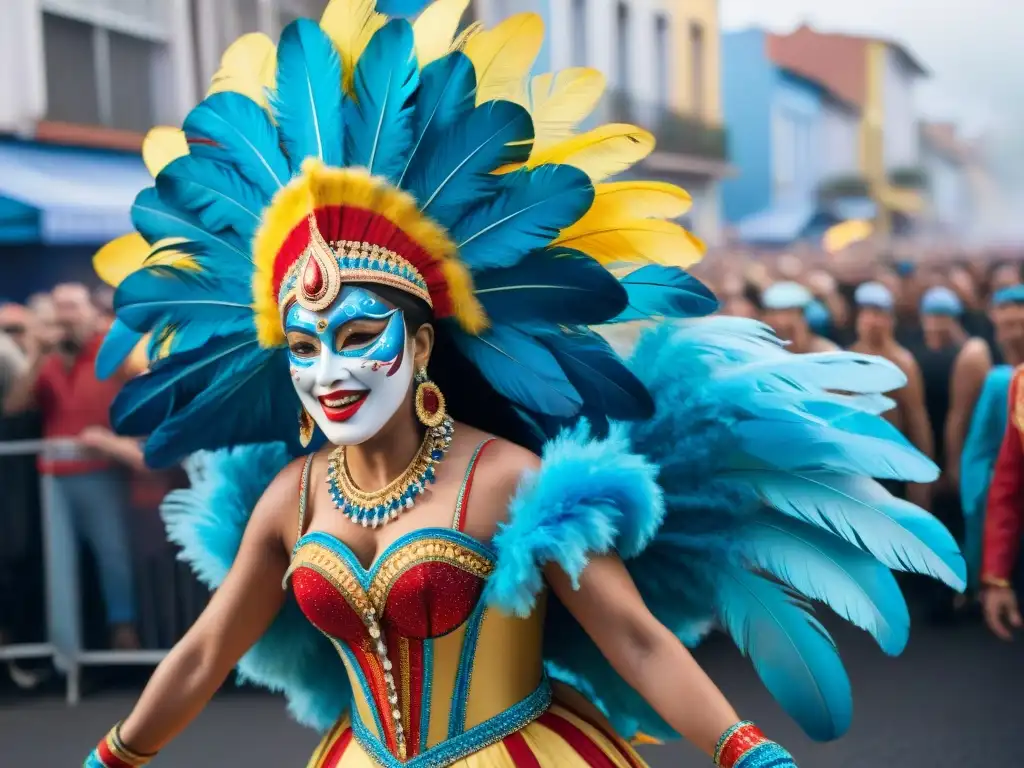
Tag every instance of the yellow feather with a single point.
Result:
(435, 29)
(248, 67)
(625, 200)
(560, 101)
(463, 38)
(351, 24)
(602, 152)
(503, 56)
(162, 146)
(641, 240)
(119, 258)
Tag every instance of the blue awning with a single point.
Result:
(61, 196)
(780, 224)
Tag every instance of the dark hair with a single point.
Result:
(469, 397)
(752, 294)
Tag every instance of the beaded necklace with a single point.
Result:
(376, 508)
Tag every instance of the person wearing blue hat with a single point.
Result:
(784, 308)
(875, 328)
(941, 314)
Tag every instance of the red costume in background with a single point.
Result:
(1004, 518)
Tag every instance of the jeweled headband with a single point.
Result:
(316, 279)
(332, 226)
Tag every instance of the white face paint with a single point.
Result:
(349, 379)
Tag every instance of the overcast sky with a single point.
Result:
(973, 47)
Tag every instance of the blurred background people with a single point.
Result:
(90, 494)
(875, 326)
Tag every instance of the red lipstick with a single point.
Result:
(343, 404)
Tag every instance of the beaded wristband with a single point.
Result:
(735, 741)
(766, 755)
(111, 752)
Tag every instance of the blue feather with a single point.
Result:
(117, 345)
(396, 8)
(146, 400)
(823, 567)
(803, 446)
(840, 371)
(552, 285)
(156, 220)
(233, 129)
(163, 294)
(447, 94)
(792, 653)
(600, 376)
(860, 511)
(521, 369)
(453, 171)
(308, 100)
(221, 415)
(532, 207)
(657, 291)
(380, 133)
(219, 198)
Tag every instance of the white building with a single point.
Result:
(948, 163)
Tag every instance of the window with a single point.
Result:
(578, 32)
(97, 75)
(622, 35)
(697, 69)
(662, 64)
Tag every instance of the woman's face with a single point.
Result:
(352, 364)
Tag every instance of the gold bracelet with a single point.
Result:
(993, 581)
(116, 747)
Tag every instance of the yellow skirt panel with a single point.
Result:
(557, 739)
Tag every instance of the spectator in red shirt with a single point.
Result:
(90, 489)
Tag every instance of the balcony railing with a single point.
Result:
(840, 187)
(909, 178)
(147, 19)
(676, 133)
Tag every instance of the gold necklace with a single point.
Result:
(376, 508)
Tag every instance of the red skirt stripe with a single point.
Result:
(520, 752)
(619, 745)
(333, 757)
(576, 739)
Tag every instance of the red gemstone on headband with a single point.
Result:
(430, 401)
(312, 278)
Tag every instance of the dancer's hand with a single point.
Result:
(1002, 612)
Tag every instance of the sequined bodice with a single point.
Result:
(432, 668)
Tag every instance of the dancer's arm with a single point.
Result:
(238, 614)
(651, 659)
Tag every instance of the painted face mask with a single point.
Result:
(351, 381)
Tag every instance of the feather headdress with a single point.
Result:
(386, 151)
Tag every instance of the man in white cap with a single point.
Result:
(784, 307)
(875, 328)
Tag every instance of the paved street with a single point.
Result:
(954, 700)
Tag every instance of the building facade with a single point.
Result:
(789, 134)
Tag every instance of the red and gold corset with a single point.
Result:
(432, 667)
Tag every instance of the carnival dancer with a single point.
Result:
(507, 533)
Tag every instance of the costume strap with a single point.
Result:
(304, 495)
(459, 519)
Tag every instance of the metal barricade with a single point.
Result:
(156, 578)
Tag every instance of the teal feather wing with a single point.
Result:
(528, 212)
(453, 171)
(380, 133)
(762, 507)
(118, 343)
(235, 130)
(446, 95)
(308, 100)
